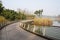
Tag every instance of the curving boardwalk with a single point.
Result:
(14, 32)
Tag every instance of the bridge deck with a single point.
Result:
(14, 32)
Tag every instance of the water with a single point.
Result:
(53, 32)
(56, 23)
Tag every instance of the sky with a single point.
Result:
(50, 7)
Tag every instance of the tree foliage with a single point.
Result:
(10, 14)
(1, 7)
(38, 12)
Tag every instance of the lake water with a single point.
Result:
(53, 32)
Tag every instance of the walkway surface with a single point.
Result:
(14, 32)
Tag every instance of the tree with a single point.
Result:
(23, 16)
(1, 7)
(18, 16)
(9, 14)
(38, 12)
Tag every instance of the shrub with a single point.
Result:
(2, 19)
(42, 21)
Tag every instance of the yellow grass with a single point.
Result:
(42, 21)
(2, 19)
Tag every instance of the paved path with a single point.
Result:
(14, 32)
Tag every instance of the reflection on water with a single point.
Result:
(53, 32)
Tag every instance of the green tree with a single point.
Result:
(1, 7)
(17, 16)
(23, 16)
(9, 14)
(38, 12)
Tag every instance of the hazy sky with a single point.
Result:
(50, 7)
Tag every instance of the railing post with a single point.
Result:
(24, 25)
(43, 30)
(21, 24)
(28, 27)
(34, 28)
